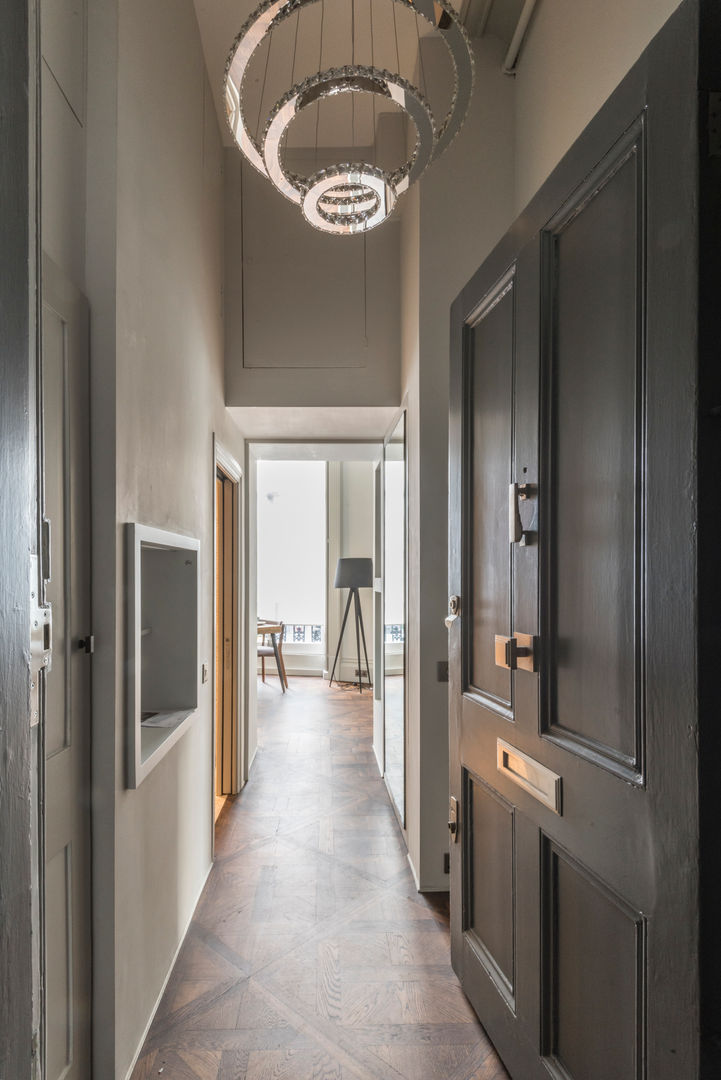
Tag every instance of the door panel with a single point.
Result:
(593, 960)
(490, 903)
(491, 382)
(66, 505)
(574, 358)
(593, 276)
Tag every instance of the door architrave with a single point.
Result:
(225, 463)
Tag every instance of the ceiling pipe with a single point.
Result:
(514, 49)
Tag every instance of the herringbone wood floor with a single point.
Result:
(311, 955)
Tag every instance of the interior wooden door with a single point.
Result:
(226, 652)
(573, 759)
(66, 455)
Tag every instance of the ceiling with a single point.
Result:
(319, 424)
(297, 54)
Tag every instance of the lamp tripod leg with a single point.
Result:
(340, 637)
(358, 618)
(365, 650)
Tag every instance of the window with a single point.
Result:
(292, 549)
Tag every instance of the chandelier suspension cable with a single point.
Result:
(320, 68)
(420, 61)
(295, 47)
(352, 38)
(395, 28)
(373, 97)
(262, 92)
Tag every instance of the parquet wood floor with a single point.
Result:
(311, 955)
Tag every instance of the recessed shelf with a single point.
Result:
(162, 582)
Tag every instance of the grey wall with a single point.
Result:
(311, 319)
(154, 255)
(169, 383)
(576, 53)
(464, 204)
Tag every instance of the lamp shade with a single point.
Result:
(354, 574)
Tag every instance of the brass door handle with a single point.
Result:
(518, 493)
(518, 651)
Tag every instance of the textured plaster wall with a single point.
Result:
(464, 205)
(576, 52)
(154, 252)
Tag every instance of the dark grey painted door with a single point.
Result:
(66, 507)
(573, 752)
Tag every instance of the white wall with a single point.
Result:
(465, 204)
(158, 377)
(576, 52)
(63, 116)
(311, 319)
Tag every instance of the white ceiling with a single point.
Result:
(322, 451)
(314, 424)
(221, 20)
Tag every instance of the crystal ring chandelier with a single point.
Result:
(355, 194)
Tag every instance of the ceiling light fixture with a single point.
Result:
(358, 192)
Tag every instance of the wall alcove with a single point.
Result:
(162, 633)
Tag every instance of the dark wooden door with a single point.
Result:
(573, 751)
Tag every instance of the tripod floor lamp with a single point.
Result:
(354, 574)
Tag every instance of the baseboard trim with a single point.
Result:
(413, 871)
(159, 998)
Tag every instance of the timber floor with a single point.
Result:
(311, 955)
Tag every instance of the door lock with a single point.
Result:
(454, 608)
(453, 818)
(515, 652)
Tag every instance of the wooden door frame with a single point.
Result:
(19, 803)
(224, 462)
(402, 413)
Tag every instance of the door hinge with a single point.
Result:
(41, 640)
(87, 644)
(446, 862)
(714, 124)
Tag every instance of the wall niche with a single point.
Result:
(162, 641)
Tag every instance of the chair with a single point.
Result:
(275, 632)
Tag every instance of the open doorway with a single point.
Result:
(228, 727)
(309, 505)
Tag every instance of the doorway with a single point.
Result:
(228, 735)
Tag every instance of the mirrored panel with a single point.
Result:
(394, 613)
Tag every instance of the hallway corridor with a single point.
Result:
(311, 955)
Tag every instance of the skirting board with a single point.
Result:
(144, 1036)
(440, 887)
